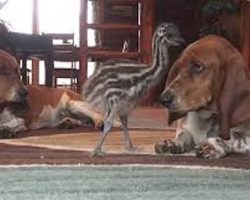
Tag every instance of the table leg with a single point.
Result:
(49, 67)
(24, 71)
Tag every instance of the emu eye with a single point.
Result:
(196, 68)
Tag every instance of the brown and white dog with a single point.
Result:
(38, 107)
(209, 85)
(47, 108)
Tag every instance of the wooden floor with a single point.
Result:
(144, 129)
(146, 125)
(84, 140)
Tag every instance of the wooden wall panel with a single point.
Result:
(83, 43)
(147, 28)
(245, 32)
(35, 30)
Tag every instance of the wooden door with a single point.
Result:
(245, 32)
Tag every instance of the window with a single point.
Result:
(17, 15)
(55, 16)
(59, 16)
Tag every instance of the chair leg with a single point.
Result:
(54, 82)
(24, 71)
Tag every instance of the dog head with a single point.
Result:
(11, 88)
(209, 74)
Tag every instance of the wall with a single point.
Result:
(245, 32)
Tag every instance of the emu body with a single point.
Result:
(118, 87)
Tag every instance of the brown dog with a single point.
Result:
(208, 83)
(47, 108)
(38, 107)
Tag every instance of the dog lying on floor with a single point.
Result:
(38, 107)
(209, 86)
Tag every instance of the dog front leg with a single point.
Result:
(217, 147)
(10, 124)
(7, 132)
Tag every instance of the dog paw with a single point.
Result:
(67, 124)
(168, 146)
(99, 125)
(210, 149)
(7, 133)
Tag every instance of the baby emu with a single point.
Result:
(117, 88)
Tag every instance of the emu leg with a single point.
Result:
(98, 149)
(128, 143)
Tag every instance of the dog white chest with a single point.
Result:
(198, 124)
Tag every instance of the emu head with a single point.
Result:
(169, 34)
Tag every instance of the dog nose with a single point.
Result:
(23, 92)
(167, 98)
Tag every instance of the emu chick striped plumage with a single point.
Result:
(118, 87)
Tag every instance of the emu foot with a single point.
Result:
(7, 133)
(133, 149)
(97, 153)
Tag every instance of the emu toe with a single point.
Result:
(133, 149)
(97, 153)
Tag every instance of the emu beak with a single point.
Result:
(179, 41)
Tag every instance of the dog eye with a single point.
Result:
(7, 73)
(196, 68)
(3, 72)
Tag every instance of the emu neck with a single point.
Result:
(160, 65)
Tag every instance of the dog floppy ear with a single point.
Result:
(173, 116)
(233, 88)
(174, 71)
